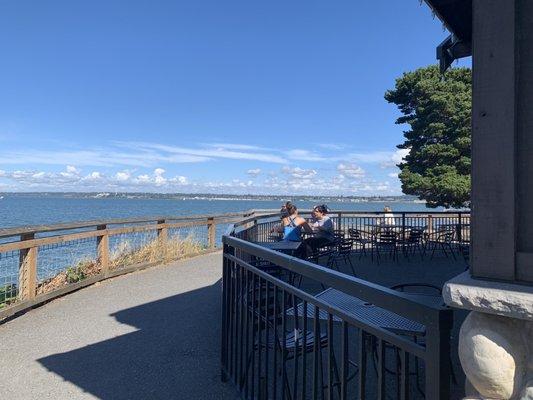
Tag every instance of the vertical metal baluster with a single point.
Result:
(254, 328)
(276, 341)
(243, 306)
(240, 325)
(330, 357)
(237, 316)
(224, 350)
(296, 333)
(247, 330)
(232, 318)
(235, 322)
(362, 365)
(283, 345)
(259, 339)
(404, 379)
(304, 346)
(316, 349)
(267, 334)
(345, 357)
(381, 369)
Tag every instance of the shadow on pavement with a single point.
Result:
(173, 355)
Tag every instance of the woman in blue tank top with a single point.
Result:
(293, 224)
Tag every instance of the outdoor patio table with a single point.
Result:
(368, 313)
(283, 246)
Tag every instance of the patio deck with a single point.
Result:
(154, 334)
(435, 271)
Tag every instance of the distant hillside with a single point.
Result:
(208, 196)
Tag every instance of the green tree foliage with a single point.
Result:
(438, 109)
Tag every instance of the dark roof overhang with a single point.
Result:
(456, 15)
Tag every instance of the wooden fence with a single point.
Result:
(23, 278)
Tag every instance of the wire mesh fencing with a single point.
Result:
(9, 277)
(63, 263)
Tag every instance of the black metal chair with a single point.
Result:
(417, 289)
(386, 240)
(414, 241)
(357, 238)
(290, 344)
(442, 239)
(343, 252)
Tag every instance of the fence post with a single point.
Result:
(339, 222)
(162, 237)
(28, 270)
(459, 229)
(438, 364)
(162, 231)
(102, 249)
(430, 223)
(211, 232)
(403, 233)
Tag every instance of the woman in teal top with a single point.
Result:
(293, 224)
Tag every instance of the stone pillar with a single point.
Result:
(496, 339)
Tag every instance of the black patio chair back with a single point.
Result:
(416, 235)
(344, 246)
(354, 233)
(387, 237)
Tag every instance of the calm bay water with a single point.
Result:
(21, 211)
(18, 211)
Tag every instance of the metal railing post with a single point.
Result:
(27, 270)
(459, 229)
(102, 249)
(224, 345)
(438, 362)
(403, 233)
(211, 233)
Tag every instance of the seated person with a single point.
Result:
(292, 224)
(388, 218)
(322, 227)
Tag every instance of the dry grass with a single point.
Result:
(155, 251)
(124, 255)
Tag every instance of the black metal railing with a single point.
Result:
(279, 341)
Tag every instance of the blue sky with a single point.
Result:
(232, 96)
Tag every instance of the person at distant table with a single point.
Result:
(322, 227)
(388, 217)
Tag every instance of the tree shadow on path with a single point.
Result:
(173, 355)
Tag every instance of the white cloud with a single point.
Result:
(123, 176)
(254, 172)
(393, 174)
(332, 146)
(399, 155)
(305, 155)
(94, 181)
(208, 153)
(351, 170)
(299, 173)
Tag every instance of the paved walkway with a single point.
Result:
(148, 335)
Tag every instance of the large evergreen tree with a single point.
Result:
(437, 107)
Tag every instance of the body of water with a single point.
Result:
(16, 211)
(21, 211)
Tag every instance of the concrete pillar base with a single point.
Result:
(496, 338)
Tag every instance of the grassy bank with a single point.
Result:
(124, 254)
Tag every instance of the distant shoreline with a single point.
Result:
(209, 196)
